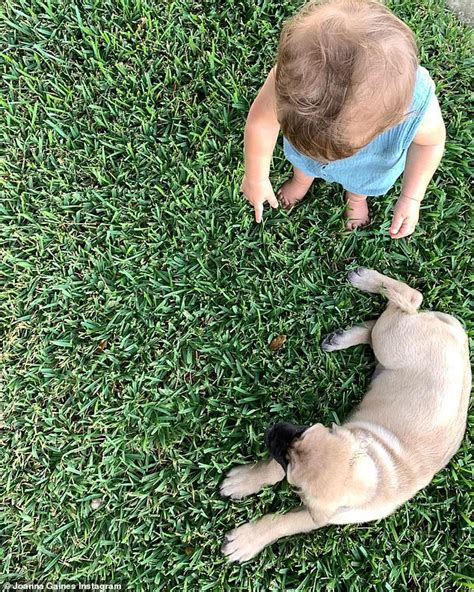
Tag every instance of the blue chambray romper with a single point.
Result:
(374, 169)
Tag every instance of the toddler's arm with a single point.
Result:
(261, 133)
(423, 158)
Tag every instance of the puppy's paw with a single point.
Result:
(241, 482)
(365, 279)
(331, 341)
(243, 543)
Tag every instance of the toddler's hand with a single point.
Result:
(405, 217)
(257, 193)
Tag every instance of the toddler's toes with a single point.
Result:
(284, 200)
(291, 192)
(357, 223)
(357, 214)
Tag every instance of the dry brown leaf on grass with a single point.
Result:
(277, 342)
(102, 345)
(141, 24)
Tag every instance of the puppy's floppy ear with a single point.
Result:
(278, 439)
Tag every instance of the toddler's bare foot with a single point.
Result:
(357, 210)
(294, 189)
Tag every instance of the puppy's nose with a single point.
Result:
(278, 439)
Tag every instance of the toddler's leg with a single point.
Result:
(295, 188)
(357, 210)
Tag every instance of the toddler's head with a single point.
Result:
(345, 73)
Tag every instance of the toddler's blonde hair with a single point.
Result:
(345, 73)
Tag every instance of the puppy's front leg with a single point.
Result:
(247, 479)
(247, 540)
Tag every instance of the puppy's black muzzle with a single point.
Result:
(278, 439)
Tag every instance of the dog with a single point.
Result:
(407, 427)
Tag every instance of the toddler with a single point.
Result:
(354, 107)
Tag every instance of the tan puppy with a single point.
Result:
(408, 426)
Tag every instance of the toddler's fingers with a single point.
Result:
(258, 212)
(397, 223)
(406, 229)
(273, 201)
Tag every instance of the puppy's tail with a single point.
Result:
(397, 293)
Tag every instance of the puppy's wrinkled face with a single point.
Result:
(314, 459)
(309, 454)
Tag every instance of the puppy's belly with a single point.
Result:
(357, 515)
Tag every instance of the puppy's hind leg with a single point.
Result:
(341, 339)
(248, 479)
(399, 294)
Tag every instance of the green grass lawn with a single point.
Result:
(139, 297)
